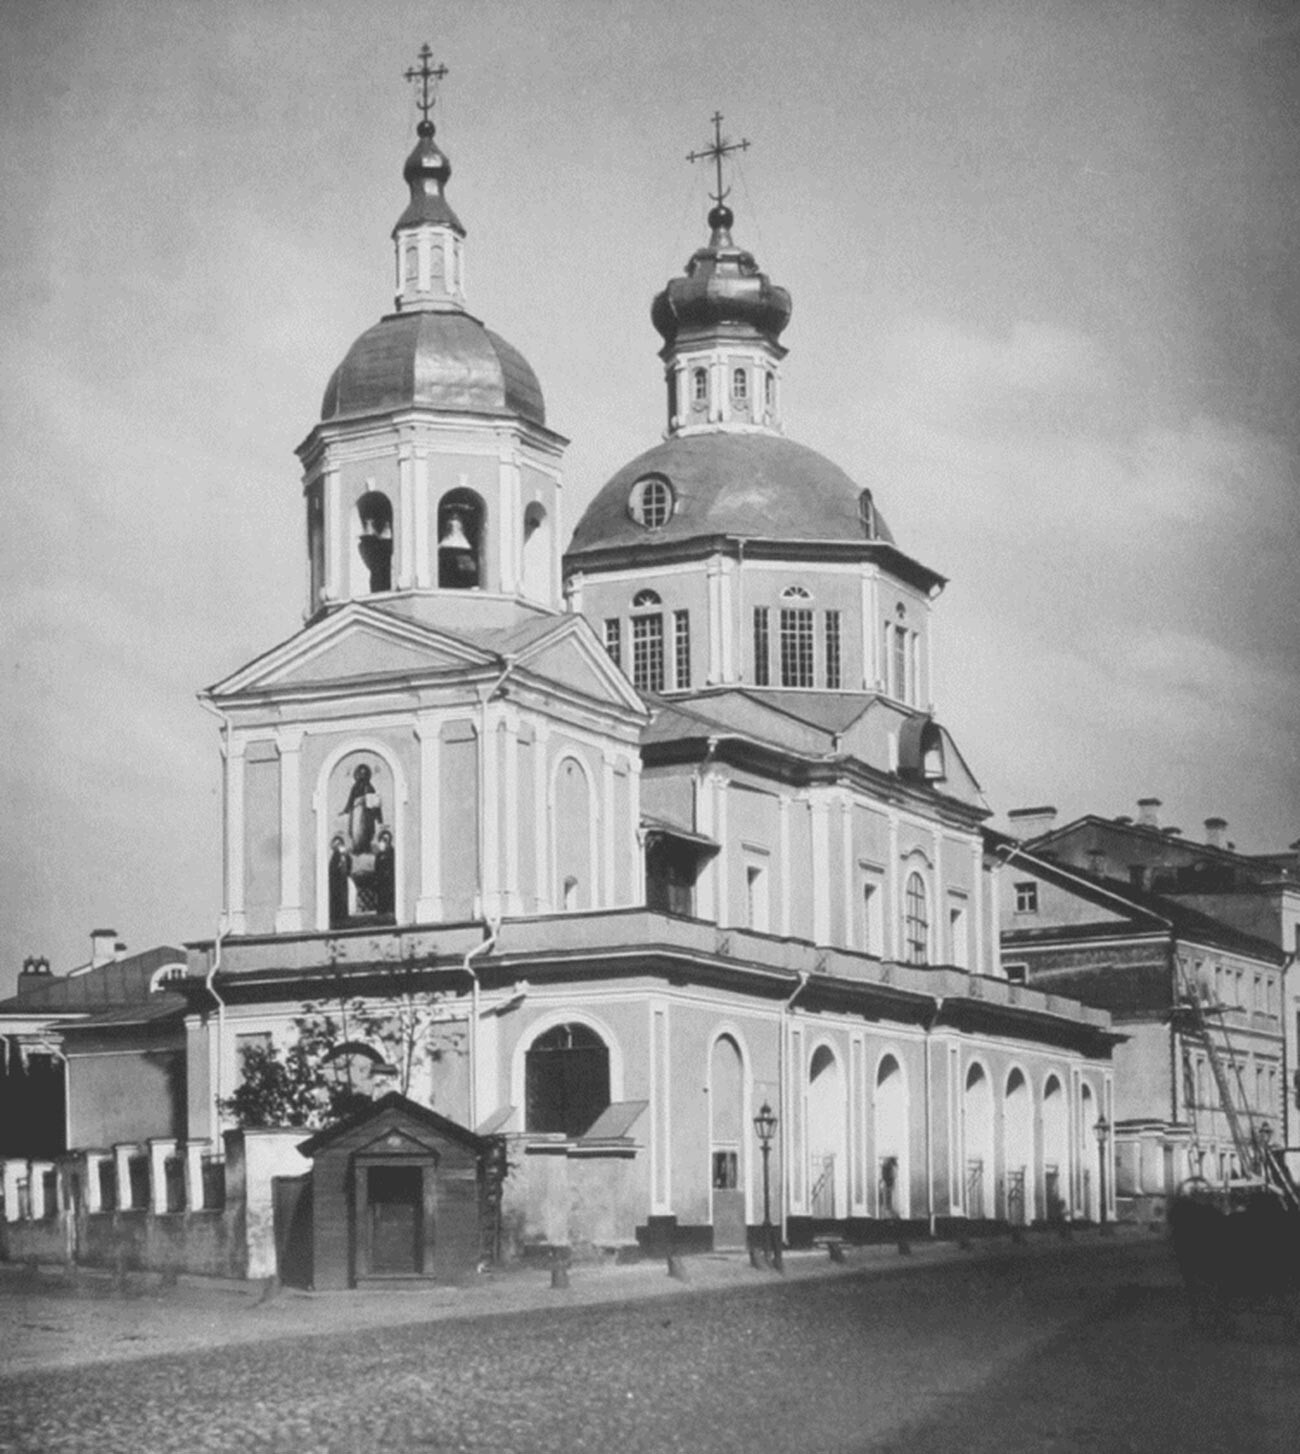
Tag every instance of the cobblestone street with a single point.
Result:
(1070, 1347)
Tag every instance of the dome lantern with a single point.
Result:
(721, 324)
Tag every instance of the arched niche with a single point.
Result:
(978, 1141)
(537, 539)
(462, 531)
(1018, 1160)
(372, 532)
(359, 803)
(573, 816)
(728, 1142)
(890, 1130)
(827, 1136)
(1056, 1150)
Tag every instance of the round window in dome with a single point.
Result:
(651, 502)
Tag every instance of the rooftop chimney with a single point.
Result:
(103, 947)
(1029, 823)
(1149, 812)
(1215, 829)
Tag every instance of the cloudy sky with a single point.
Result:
(1046, 306)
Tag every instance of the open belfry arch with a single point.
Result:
(661, 839)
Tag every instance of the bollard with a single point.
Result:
(559, 1270)
(904, 1247)
(677, 1268)
(755, 1257)
(836, 1250)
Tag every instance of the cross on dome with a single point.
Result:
(722, 147)
(426, 75)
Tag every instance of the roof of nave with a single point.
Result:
(756, 484)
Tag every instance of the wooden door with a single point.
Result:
(394, 1204)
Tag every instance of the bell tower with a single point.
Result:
(432, 475)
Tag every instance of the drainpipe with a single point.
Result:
(209, 984)
(493, 928)
(782, 1053)
(929, 1120)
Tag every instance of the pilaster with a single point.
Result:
(428, 908)
(288, 917)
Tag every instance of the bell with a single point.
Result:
(454, 537)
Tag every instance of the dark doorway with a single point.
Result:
(394, 1203)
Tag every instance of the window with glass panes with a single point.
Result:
(916, 921)
(648, 653)
(681, 650)
(796, 646)
(833, 650)
(614, 640)
(762, 647)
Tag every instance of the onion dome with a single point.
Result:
(426, 173)
(716, 483)
(723, 292)
(433, 360)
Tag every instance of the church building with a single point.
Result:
(662, 836)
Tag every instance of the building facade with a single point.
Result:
(644, 839)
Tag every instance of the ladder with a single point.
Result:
(1204, 1021)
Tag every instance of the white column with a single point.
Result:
(787, 868)
(607, 818)
(819, 805)
(423, 531)
(716, 622)
(893, 889)
(510, 521)
(235, 918)
(335, 541)
(406, 518)
(428, 908)
(847, 870)
(288, 917)
(544, 888)
(987, 958)
(512, 901)
(940, 947)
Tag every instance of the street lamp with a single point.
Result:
(1102, 1131)
(765, 1126)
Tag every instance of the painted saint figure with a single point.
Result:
(385, 883)
(364, 810)
(339, 869)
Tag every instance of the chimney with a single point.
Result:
(1029, 823)
(1149, 812)
(1215, 829)
(103, 947)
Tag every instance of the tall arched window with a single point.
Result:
(375, 540)
(647, 642)
(769, 389)
(461, 537)
(739, 385)
(796, 637)
(916, 921)
(566, 1081)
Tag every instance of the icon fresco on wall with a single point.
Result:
(362, 859)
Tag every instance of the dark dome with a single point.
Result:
(723, 290)
(433, 360)
(755, 485)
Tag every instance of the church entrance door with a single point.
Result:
(727, 1115)
(394, 1235)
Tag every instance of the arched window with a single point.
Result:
(375, 540)
(412, 266)
(739, 385)
(566, 1081)
(700, 387)
(651, 502)
(647, 642)
(461, 535)
(769, 389)
(916, 921)
(867, 514)
(796, 638)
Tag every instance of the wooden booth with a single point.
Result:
(397, 1194)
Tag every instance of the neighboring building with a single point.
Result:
(1256, 893)
(1200, 1079)
(694, 846)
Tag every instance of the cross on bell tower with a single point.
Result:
(426, 75)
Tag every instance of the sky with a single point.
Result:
(1042, 256)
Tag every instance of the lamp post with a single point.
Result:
(765, 1126)
(1102, 1131)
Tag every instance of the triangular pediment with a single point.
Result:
(571, 657)
(354, 643)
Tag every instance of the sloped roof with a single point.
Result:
(106, 987)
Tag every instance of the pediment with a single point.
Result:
(572, 657)
(396, 1141)
(355, 643)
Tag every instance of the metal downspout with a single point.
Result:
(782, 1055)
(209, 984)
(494, 928)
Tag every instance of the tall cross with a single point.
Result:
(426, 75)
(721, 147)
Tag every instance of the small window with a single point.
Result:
(1027, 898)
(739, 385)
(769, 390)
(795, 593)
(833, 651)
(762, 647)
(614, 640)
(700, 387)
(644, 600)
(1017, 973)
(916, 921)
(681, 650)
(651, 502)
